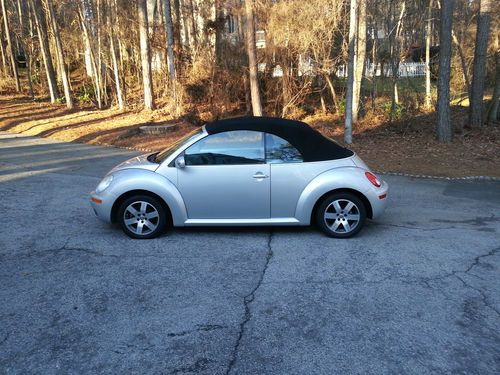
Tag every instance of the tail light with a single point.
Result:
(373, 179)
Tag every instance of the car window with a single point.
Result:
(279, 150)
(161, 156)
(233, 147)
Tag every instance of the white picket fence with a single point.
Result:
(406, 69)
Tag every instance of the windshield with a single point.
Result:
(174, 146)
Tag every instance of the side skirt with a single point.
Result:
(241, 222)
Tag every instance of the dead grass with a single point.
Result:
(406, 146)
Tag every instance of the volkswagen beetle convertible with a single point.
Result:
(243, 171)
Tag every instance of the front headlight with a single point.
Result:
(104, 184)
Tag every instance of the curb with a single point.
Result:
(466, 178)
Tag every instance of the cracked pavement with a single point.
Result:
(416, 292)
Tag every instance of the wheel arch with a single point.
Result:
(118, 202)
(361, 196)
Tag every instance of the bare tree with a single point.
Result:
(359, 64)
(5, 68)
(350, 72)
(118, 80)
(428, 32)
(444, 133)
(495, 100)
(41, 27)
(477, 88)
(60, 55)
(10, 48)
(169, 31)
(147, 80)
(252, 58)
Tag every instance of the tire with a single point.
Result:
(334, 221)
(142, 217)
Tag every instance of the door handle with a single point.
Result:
(260, 175)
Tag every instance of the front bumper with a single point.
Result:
(102, 204)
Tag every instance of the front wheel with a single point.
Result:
(142, 217)
(341, 215)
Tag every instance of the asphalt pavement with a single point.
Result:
(417, 292)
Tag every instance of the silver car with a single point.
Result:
(243, 171)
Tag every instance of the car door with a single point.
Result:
(226, 177)
(290, 175)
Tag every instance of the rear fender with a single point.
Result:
(338, 178)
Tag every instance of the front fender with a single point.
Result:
(126, 180)
(337, 178)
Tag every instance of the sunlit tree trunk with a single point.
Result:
(359, 65)
(252, 59)
(60, 55)
(88, 18)
(114, 60)
(479, 67)
(10, 48)
(147, 80)
(444, 133)
(41, 27)
(428, 31)
(350, 72)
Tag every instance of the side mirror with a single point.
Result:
(180, 162)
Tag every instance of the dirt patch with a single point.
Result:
(407, 146)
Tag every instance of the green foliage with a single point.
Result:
(61, 100)
(399, 110)
(85, 94)
(342, 107)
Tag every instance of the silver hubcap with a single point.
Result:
(342, 216)
(141, 218)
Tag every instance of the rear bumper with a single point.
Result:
(378, 199)
(102, 206)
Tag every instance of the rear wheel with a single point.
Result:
(142, 216)
(341, 215)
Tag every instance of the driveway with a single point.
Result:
(417, 292)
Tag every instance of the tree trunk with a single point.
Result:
(395, 59)
(350, 73)
(94, 65)
(493, 111)
(169, 32)
(116, 71)
(41, 27)
(252, 59)
(192, 24)
(332, 92)
(10, 48)
(462, 61)
(88, 18)
(428, 32)
(444, 133)
(147, 81)
(5, 69)
(60, 55)
(22, 7)
(359, 65)
(477, 89)
(183, 21)
(219, 32)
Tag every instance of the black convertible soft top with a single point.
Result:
(311, 144)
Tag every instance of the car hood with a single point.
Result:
(140, 162)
